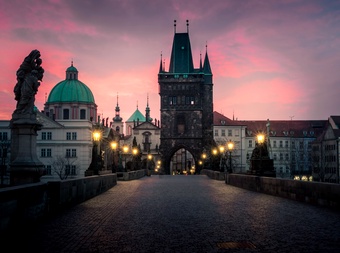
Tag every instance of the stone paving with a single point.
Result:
(184, 214)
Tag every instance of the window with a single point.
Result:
(274, 144)
(74, 136)
(286, 144)
(45, 152)
(66, 113)
(71, 152)
(275, 157)
(287, 156)
(250, 145)
(180, 124)
(48, 169)
(70, 170)
(223, 132)
(172, 100)
(216, 132)
(281, 156)
(189, 100)
(301, 144)
(230, 132)
(82, 114)
(237, 132)
(281, 144)
(46, 135)
(3, 136)
(70, 136)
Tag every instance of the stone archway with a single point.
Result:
(182, 162)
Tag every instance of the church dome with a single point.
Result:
(70, 90)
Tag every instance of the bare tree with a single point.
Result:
(64, 166)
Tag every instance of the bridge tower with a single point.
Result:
(186, 103)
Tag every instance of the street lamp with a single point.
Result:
(221, 148)
(230, 146)
(260, 141)
(114, 146)
(96, 135)
(134, 154)
(125, 150)
(149, 158)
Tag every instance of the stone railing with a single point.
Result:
(316, 193)
(213, 174)
(130, 175)
(26, 204)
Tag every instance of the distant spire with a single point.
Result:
(161, 64)
(117, 118)
(206, 65)
(175, 25)
(201, 66)
(187, 26)
(147, 110)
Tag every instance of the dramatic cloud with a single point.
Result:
(270, 59)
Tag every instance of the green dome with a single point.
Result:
(70, 90)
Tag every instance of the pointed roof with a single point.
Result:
(136, 116)
(206, 65)
(181, 56)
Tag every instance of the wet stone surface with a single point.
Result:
(184, 214)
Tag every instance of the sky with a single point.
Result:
(270, 59)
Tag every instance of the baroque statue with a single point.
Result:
(29, 74)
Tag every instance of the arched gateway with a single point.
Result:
(186, 101)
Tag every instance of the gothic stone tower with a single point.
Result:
(186, 102)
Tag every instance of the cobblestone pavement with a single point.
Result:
(185, 214)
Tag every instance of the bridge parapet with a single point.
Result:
(316, 193)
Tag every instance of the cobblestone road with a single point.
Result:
(185, 214)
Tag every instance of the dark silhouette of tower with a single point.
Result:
(186, 102)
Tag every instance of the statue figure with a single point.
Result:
(29, 74)
(260, 151)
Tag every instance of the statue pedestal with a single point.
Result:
(262, 167)
(25, 167)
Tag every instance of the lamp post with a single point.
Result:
(149, 158)
(125, 150)
(96, 135)
(221, 148)
(114, 146)
(260, 141)
(134, 154)
(230, 146)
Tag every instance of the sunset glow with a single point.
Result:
(270, 59)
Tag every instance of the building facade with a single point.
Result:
(289, 143)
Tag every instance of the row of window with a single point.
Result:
(47, 152)
(69, 136)
(3, 136)
(181, 100)
(69, 170)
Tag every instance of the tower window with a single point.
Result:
(172, 100)
(180, 124)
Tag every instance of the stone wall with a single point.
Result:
(217, 175)
(130, 175)
(316, 193)
(26, 204)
